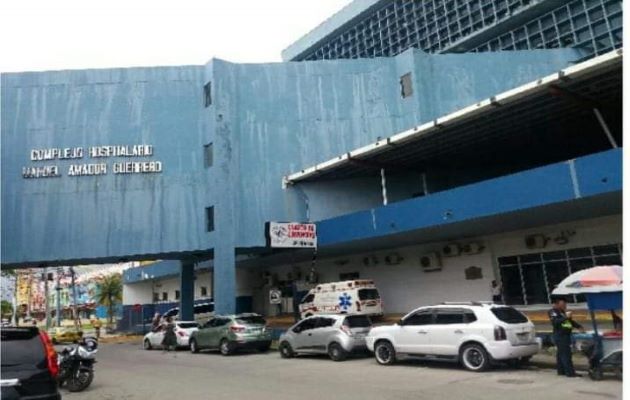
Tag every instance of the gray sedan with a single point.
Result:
(335, 335)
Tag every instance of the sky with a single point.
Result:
(39, 35)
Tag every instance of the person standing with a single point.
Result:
(170, 339)
(96, 324)
(156, 322)
(563, 325)
(495, 288)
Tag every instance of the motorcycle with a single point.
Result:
(76, 365)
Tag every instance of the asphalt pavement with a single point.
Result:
(124, 372)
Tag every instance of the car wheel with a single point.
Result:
(285, 350)
(336, 352)
(225, 348)
(193, 346)
(475, 357)
(146, 344)
(385, 353)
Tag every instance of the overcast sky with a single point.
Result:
(38, 35)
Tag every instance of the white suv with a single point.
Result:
(473, 333)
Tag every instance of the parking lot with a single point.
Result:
(124, 371)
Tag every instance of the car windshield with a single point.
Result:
(509, 315)
(369, 294)
(251, 320)
(187, 325)
(358, 321)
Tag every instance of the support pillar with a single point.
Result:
(187, 291)
(224, 280)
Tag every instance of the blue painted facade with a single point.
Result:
(594, 175)
(263, 121)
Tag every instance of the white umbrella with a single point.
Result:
(607, 278)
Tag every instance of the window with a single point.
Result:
(448, 317)
(308, 298)
(530, 278)
(406, 88)
(251, 320)
(221, 322)
(469, 317)
(156, 297)
(509, 315)
(348, 276)
(305, 325)
(419, 318)
(210, 219)
(369, 294)
(187, 325)
(324, 322)
(358, 321)
(164, 296)
(208, 156)
(207, 94)
(177, 295)
(204, 308)
(204, 291)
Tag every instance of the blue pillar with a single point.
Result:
(187, 291)
(224, 280)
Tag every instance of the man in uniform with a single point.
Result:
(562, 328)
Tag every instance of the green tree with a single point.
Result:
(7, 308)
(109, 294)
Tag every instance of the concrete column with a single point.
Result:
(187, 291)
(224, 279)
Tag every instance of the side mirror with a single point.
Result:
(400, 322)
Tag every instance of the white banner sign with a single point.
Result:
(275, 296)
(291, 235)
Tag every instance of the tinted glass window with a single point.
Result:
(171, 312)
(357, 321)
(324, 322)
(449, 317)
(204, 308)
(369, 294)
(305, 325)
(509, 315)
(308, 298)
(188, 325)
(251, 320)
(469, 317)
(419, 318)
(21, 347)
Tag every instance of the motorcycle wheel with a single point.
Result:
(80, 380)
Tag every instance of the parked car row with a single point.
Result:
(474, 334)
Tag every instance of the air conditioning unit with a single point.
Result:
(537, 241)
(431, 262)
(451, 250)
(472, 248)
(393, 259)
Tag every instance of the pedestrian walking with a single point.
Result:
(170, 339)
(563, 325)
(96, 324)
(496, 290)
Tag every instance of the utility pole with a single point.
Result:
(58, 289)
(47, 302)
(74, 300)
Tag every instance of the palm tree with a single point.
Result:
(109, 294)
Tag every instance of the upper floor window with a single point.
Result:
(208, 156)
(207, 94)
(406, 88)
(210, 219)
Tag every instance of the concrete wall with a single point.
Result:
(405, 286)
(91, 217)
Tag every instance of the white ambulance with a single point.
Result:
(357, 297)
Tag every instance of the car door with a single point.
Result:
(157, 337)
(303, 334)
(319, 337)
(203, 334)
(217, 331)
(413, 333)
(446, 334)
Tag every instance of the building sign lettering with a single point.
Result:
(291, 235)
(92, 169)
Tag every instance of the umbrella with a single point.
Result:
(592, 280)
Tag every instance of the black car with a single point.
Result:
(29, 365)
